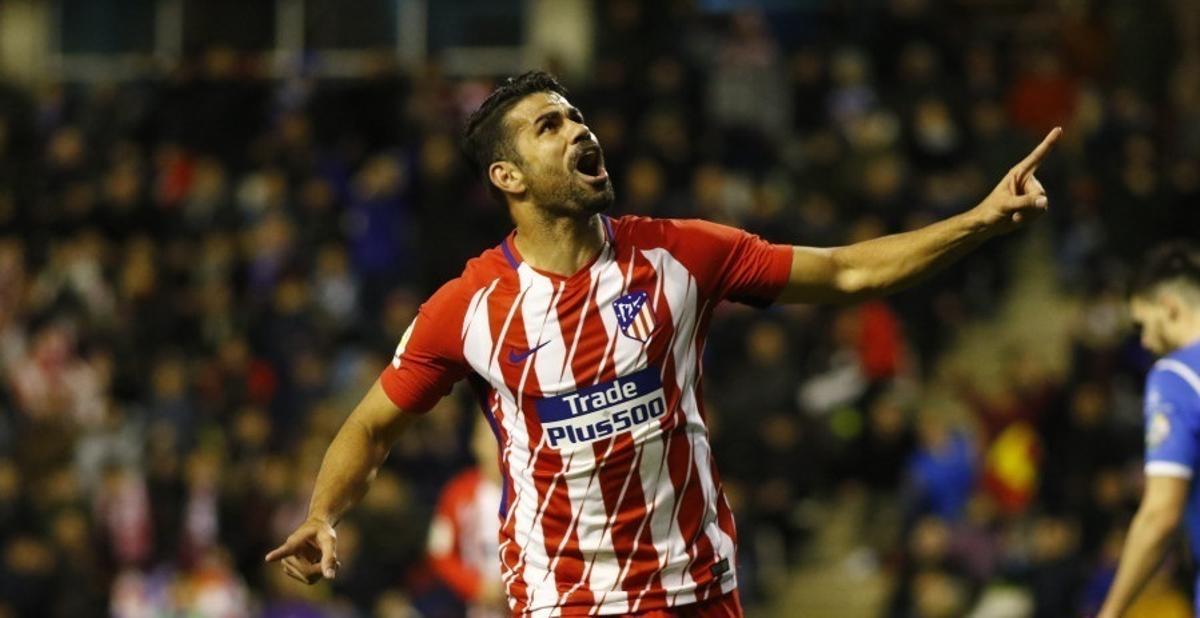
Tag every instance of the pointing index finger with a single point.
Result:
(1030, 163)
(283, 551)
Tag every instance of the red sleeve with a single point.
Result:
(728, 263)
(443, 544)
(429, 358)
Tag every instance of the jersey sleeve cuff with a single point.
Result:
(781, 267)
(399, 395)
(778, 268)
(1168, 468)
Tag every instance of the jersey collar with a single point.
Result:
(509, 247)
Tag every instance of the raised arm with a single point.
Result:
(890, 263)
(346, 472)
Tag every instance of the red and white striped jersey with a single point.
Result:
(611, 501)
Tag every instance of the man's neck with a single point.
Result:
(1191, 338)
(1187, 334)
(559, 245)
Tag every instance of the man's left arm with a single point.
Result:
(1149, 535)
(890, 263)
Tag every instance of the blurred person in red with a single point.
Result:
(582, 335)
(463, 536)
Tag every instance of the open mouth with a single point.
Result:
(590, 165)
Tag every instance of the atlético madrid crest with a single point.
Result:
(635, 316)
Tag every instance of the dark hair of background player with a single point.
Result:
(1176, 261)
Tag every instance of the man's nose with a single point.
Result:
(582, 134)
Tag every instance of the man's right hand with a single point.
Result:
(310, 553)
(1019, 197)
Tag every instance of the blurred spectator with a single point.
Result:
(943, 467)
(1044, 96)
(51, 382)
(463, 550)
(1056, 568)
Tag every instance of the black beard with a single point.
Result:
(564, 196)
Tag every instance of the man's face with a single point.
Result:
(559, 156)
(1153, 317)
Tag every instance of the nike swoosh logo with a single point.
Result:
(516, 357)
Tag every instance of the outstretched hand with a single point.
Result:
(310, 553)
(1019, 197)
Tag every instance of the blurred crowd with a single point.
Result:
(201, 271)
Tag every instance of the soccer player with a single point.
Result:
(582, 335)
(1165, 302)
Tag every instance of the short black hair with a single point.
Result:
(485, 139)
(1177, 261)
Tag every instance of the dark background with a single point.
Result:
(207, 255)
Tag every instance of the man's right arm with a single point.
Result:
(427, 363)
(346, 472)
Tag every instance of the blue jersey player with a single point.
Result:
(1165, 302)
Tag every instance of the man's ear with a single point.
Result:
(507, 177)
(1172, 304)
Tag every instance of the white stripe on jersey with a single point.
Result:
(510, 417)
(1181, 370)
(605, 254)
(535, 307)
(478, 350)
(686, 305)
(601, 573)
(478, 301)
(580, 491)
(554, 376)
(668, 539)
(590, 530)
(1168, 468)
(652, 464)
(542, 329)
(654, 458)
